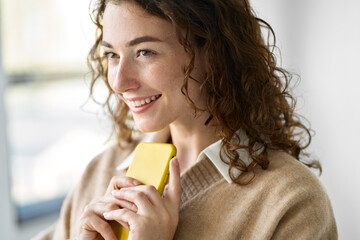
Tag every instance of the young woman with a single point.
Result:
(197, 74)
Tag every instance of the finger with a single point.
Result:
(173, 193)
(150, 191)
(106, 204)
(123, 216)
(102, 205)
(96, 224)
(139, 198)
(109, 203)
(118, 182)
(124, 204)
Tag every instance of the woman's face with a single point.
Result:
(146, 66)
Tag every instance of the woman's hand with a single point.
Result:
(94, 225)
(156, 217)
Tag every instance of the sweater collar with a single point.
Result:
(212, 152)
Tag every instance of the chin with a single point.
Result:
(149, 127)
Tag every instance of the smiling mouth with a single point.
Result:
(142, 102)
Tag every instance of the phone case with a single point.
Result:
(150, 166)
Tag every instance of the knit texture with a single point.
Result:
(286, 201)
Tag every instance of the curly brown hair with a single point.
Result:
(245, 87)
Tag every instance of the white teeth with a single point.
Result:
(139, 103)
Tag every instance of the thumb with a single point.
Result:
(173, 193)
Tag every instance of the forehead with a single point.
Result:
(127, 20)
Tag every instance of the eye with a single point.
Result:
(110, 55)
(145, 53)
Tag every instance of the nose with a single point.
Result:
(122, 78)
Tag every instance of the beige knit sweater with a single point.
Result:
(286, 201)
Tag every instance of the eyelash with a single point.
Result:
(146, 52)
(142, 52)
(109, 55)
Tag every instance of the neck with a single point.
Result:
(190, 138)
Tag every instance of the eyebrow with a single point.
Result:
(106, 44)
(141, 40)
(134, 41)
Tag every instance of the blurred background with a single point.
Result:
(49, 130)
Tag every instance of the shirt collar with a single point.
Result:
(212, 152)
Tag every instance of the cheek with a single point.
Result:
(168, 77)
(111, 76)
(176, 75)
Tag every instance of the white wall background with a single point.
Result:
(320, 40)
(5, 204)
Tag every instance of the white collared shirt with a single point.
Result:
(212, 152)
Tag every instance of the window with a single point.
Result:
(53, 131)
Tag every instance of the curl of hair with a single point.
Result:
(245, 87)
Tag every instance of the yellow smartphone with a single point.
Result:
(150, 166)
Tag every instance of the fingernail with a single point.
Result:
(106, 215)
